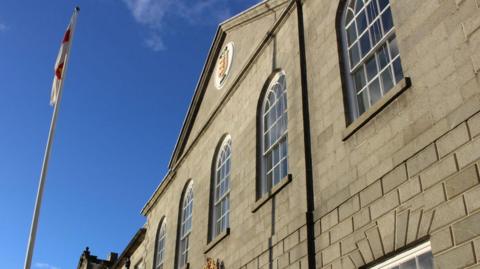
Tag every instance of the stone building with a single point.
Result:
(327, 134)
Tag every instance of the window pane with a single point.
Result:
(268, 162)
(283, 149)
(383, 3)
(372, 10)
(376, 32)
(362, 99)
(354, 55)
(393, 47)
(276, 155)
(387, 80)
(359, 79)
(411, 264)
(358, 5)
(375, 92)
(426, 261)
(383, 57)
(365, 45)
(269, 180)
(284, 171)
(351, 34)
(271, 99)
(349, 16)
(276, 175)
(371, 68)
(361, 22)
(387, 20)
(397, 70)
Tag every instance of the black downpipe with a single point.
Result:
(306, 139)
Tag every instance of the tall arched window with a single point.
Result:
(160, 245)
(185, 226)
(221, 188)
(274, 126)
(369, 45)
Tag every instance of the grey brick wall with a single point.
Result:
(411, 172)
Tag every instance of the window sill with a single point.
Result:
(275, 189)
(216, 240)
(376, 108)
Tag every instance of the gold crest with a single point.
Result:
(211, 264)
(224, 63)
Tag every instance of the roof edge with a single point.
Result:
(178, 155)
(131, 247)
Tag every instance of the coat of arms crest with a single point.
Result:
(224, 63)
(212, 264)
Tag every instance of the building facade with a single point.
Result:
(327, 134)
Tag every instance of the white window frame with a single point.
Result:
(223, 169)
(282, 139)
(185, 226)
(404, 256)
(375, 49)
(160, 244)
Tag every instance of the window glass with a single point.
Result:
(275, 149)
(419, 257)
(374, 59)
(160, 252)
(186, 226)
(221, 206)
(387, 20)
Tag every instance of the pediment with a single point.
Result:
(235, 42)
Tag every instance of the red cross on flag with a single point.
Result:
(62, 58)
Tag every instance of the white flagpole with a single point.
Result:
(46, 157)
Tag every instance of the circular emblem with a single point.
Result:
(224, 63)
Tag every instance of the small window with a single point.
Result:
(370, 50)
(419, 257)
(185, 226)
(160, 245)
(221, 189)
(274, 127)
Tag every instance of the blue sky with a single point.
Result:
(132, 73)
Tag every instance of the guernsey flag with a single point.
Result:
(62, 58)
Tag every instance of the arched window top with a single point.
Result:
(276, 88)
(160, 244)
(225, 151)
(188, 197)
(162, 228)
(370, 49)
(274, 126)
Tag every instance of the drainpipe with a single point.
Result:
(306, 138)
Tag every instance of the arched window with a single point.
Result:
(369, 45)
(185, 226)
(274, 127)
(160, 245)
(221, 188)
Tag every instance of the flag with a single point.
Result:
(62, 59)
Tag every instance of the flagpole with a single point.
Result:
(46, 158)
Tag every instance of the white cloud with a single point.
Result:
(154, 14)
(3, 27)
(43, 265)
